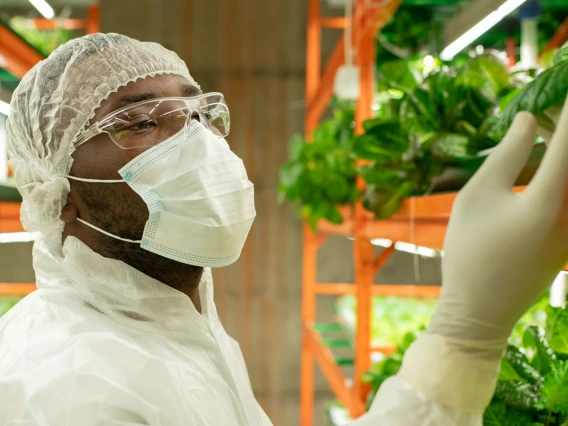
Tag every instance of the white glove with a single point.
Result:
(553, 114)
(502, 251)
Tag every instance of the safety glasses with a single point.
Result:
(148, 123)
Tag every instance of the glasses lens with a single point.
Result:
(151, 123)
(215, 112)
(147, 124)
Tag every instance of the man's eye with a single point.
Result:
(142, 125)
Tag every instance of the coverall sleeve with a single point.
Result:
(398, 404)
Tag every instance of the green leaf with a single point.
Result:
(557, 329)
(562, 54)
(500, 414)
(382, 176)
(451, 147)
(297, 145)
(489, 74)
(507, 372)
(521, 365)
(554, 390)
(399, 75)
(384, 204)
(548, 89)
(508, 98)
(383, 151)
(518, 394)
(544, 358)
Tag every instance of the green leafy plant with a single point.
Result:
(44, 41)
(543, 96)
(533, 379)
(320, 175)
(428, 119)
(441, 118)
(392, 317)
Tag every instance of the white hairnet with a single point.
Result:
(53, 104)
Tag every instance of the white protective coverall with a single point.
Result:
(100, 343)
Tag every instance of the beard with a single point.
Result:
(117, 209)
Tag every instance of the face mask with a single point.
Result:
(200, 200)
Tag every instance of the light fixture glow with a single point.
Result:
(407, 247)
(44, 8)
(480, 28)
(18, 237)
(429, 63)
(5, 108)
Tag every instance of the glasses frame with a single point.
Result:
(97, 128)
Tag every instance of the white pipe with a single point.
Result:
(558, 291)
(529, 43)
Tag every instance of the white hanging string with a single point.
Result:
(416, 259)
(349, 32)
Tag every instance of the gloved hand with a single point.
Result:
(553, 114)
(502, 251)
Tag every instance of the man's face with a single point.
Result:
(115, 207)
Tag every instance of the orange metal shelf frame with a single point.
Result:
(10, 217)
(368, 20)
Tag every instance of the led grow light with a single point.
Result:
(5, 108)
(480, 28)
(44, 8)
(18, 237)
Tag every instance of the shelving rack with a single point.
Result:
(422, 221)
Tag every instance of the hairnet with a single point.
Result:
(53, 104)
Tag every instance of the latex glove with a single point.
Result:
(502, 251)
(551, 118)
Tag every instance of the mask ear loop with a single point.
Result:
(95, 180)
(102, 231)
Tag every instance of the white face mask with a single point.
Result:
(200, 200)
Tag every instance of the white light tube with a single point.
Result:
(480, 28)
(18, 237)
(5, 108)
(44, 8)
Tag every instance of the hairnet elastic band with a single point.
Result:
(96, 180)
(108, 233)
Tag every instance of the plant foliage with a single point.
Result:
(547, 91)
(320, 175)
(533, 380)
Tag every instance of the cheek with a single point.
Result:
(101, 158)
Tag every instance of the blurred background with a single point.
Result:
(399, 101)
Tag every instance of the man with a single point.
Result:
(124, 171)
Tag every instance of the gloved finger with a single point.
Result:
(504, 165)
(551, 178)
(545, 134)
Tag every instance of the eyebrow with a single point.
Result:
(186, 90)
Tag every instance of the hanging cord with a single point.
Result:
(416, 258)
(349, 32)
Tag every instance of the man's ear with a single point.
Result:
(70, 212)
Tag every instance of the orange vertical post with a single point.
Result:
(363, 249)
(94, 19)
(511, 51)
(309, 274)
(558, 39)
(309, 277)
(313, 61)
